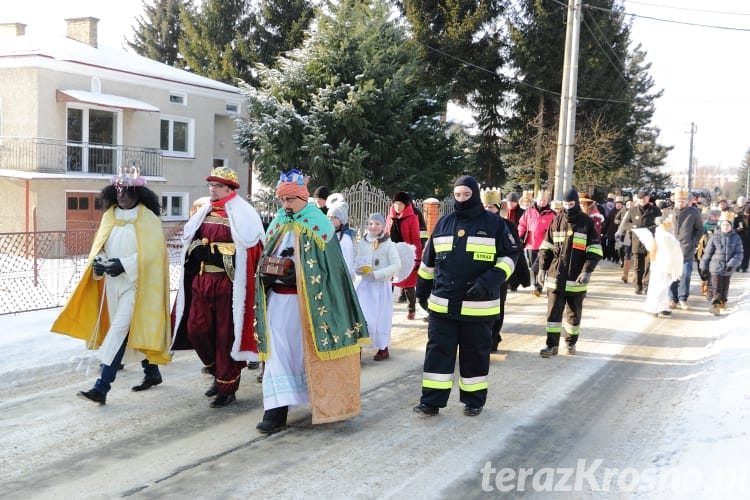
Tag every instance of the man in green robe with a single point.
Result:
(309, 323)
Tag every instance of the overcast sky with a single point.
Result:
(704, 71)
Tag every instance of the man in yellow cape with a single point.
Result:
(130, 310)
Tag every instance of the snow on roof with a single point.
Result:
(62, 48)
(106, 100)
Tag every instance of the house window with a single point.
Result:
(174, 206)
(91, 140)
(177, 135)
(176, 98)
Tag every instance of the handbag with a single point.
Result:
(276, 266)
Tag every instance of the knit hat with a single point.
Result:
(224, 175)
(338, 207)
(643, 192)
(377, 217)
(403, 197)
(321, 192)
(512, 197)
(293, 183)
(491, 197)
(571, 195)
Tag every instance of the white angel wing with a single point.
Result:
(407, 254)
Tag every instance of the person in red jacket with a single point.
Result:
(531, 229)
(403, 225)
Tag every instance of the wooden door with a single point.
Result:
(82, 216)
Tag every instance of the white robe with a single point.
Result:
(284, 379)
(120, 290)
(376, 296)
(665, 269)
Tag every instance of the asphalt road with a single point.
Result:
(647, 408)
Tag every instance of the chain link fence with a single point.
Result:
(40, 270)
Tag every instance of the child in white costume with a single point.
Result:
(338, 212)
(377, 261)
(666, 266)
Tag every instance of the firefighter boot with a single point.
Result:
(571, 343)
(553, 341)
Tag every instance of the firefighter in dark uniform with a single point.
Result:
(567, 257)
(470, 254)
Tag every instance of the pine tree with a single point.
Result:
(350, 104)
(279, 26)
(214, 41)
(158, 31)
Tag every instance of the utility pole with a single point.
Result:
(693, 131)
(566, 129)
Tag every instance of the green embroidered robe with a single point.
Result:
(330, 311)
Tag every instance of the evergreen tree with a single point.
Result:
(351, 105)
(461, 45)
(214, 41)
(157, 32)
(279, 26)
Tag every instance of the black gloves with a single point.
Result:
(423, 303)
(114, 267)
(476, 292)
(290, 277)
(583, 278)
(704, 274)
(729, 269)
(99, 266)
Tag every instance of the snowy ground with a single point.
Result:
(651, 398)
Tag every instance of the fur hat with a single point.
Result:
(571, 195)
(490, 197)
(338, 207)
(224, 175)
(321, 192)
(403, 197)
(584, 198)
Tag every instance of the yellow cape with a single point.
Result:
(150, 326)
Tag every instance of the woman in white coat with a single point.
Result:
(377, 261)
(338, 213)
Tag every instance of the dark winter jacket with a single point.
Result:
(724, 250)
(641, 216)
(467, 249)
(571, 246)
(688, 229)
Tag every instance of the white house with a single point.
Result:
(71, 112)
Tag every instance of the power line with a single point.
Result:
(515, 79)
(721, 12)
(672, 21)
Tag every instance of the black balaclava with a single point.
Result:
(572, 195)
(473, 206)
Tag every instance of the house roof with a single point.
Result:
(106, 100)
(22, 50)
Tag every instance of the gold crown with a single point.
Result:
(490, 197)
(225, 175)
(726, 215)
(681, 194)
